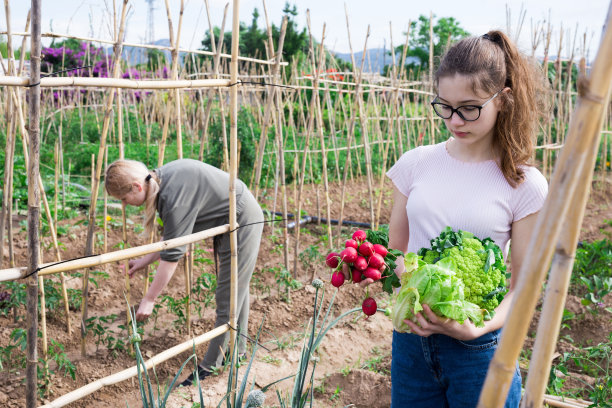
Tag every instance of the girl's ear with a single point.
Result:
(137, 186)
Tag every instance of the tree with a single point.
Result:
(446, 30)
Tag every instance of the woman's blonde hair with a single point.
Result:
(119, 179)
(493, 62)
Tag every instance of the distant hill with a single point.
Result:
(137, 55)
(375, 59)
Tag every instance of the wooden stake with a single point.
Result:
(96, 182)
(33, 207)
(233, 173)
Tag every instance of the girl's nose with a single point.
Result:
(455, 119)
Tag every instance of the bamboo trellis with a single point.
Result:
(381, 113)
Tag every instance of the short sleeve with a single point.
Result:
(402, 172)
(530, 194)
(178, 221)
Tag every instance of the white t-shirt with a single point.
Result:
(444, 191)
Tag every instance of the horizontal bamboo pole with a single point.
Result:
(133, 371)
(337, 149)
(117, 83)
(565, 402)
(149, 46)
(81, 263)
(365, 87)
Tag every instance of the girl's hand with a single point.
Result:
(429, 323)
(348, 276)
(144, 310)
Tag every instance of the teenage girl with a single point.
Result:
(490, 97)
(192, 196)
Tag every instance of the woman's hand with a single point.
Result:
(144, 310)
(429, 323)
(134, 265)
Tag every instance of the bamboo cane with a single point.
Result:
(556, 291)
(33, 208)
(8, 171)
(351, 127)
(122, 83)
(187, 274)
(148, 46)
(133, 371)
(309, 129)
(583, 133)
(116, 256)
(216, 64)
(233, 172)
(96, 181)
(271, 92)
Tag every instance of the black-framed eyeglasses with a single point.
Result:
(468, 113)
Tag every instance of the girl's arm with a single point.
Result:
(398, 227)
(165, 270)
(430, 323)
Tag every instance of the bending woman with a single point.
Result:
(192, 196)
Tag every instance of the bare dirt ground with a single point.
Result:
(353, 361)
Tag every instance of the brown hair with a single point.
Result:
(493, 62)
(119, 179)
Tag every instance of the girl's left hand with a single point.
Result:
(429, 323)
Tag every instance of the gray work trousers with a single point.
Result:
(249, 237)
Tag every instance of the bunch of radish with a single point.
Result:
(365, 260)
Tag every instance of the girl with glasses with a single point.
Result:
(480, 180)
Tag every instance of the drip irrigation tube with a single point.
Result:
(309, 218)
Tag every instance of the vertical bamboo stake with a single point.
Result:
(233, 171)
(43, 325)
(271, 92)
(186, 267)
(556, 288)
(583, 134)
(351, 127)
(119, 123)
(105, 221)
(177, 92)
(33, 208)
(432, 137)
(217, 50)
(95, 185)
(311, 116)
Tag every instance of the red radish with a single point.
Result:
(337, 279)
(366, 249)
(351, 243)
(332, 260)
(361, 263)
(348, 255)
(359, 235)
(356, 275)
(380, 250)
(376, 261)
(369, 306)
(372, 273)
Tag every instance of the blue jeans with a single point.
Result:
(441, 372)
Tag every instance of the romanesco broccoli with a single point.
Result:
(480, 266)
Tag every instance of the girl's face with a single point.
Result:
(457, 91)
(136, 196)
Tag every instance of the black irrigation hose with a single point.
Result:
(308, 219)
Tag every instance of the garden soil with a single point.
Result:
(353, 363)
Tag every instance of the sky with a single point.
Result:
(388, 20)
